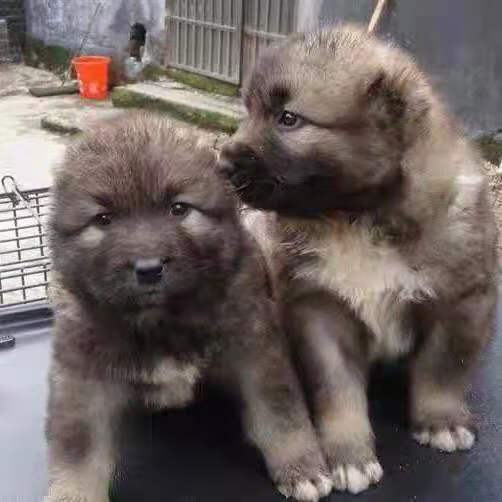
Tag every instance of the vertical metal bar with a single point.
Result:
(285, 20)
(202, 34)
(267, 16)
(185, 52)
(211, 33)
(279, 15)
(194, 33)
(178, 32)
(226, 37)
(238, 47)
(178, 41)
(19, 252)
(16, 233)
(256, 27)
(40, 239)
(218, 39)
(293, 22)
(275, 16)
(229, 41)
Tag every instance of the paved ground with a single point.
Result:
(29, 152)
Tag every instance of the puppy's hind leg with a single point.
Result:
(81, 419)
(440, 372)
(329, 344)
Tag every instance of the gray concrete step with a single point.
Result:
(183, 102)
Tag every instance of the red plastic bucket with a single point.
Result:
(92, 75)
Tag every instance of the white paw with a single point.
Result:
(353, 479)
(308, 490)
(458, 438)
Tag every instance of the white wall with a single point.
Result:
(65, 22)
(308, 14)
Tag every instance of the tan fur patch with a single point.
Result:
(91, 237)
(374, 280)
(196, 224)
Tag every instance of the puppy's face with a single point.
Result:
(141, 218)
(324, 128)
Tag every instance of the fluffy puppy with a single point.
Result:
(379, 229)
(159, 288)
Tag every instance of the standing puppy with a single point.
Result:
(159, 287)
(379, 229)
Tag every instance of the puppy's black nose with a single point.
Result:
(148, 270)
(235, 155)
(226, 166)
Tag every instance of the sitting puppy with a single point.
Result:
(379, 229)
(159, 288)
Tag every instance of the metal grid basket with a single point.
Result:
(24, 253)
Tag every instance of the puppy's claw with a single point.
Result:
(324, 485)
(374, 471)
(447, 439)
(302, 490)
(308, 490)
(348, 477)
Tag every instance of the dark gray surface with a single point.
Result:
(197, 455)
(23, 389)
(458, 41)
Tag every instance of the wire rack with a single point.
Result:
(24, 252)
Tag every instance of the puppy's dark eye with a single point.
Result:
(179, 209)
(103, 219)
(289, 119)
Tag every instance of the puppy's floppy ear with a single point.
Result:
(384, 100)
(397, 98)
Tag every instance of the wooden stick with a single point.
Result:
(377, 13)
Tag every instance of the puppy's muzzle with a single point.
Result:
(239, 164)
(149, 270)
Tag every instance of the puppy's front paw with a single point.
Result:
(65, 492)
(304, 479)
(65, 497)
(356, 478)
(447, 439)
(354, 465)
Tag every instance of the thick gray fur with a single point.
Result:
(119, 343)
(378, 228)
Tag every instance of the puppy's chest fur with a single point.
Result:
(372, 277)
(169, 384)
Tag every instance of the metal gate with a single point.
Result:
(204, 36)
(266, 22)
(222, 38)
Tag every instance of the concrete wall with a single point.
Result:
(308, 14)
(459, 42)
(65, 22)
(13, 12)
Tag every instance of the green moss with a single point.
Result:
(154, 72)
(125, 98)
(490, 147)
(50, 57)
(201, 82)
